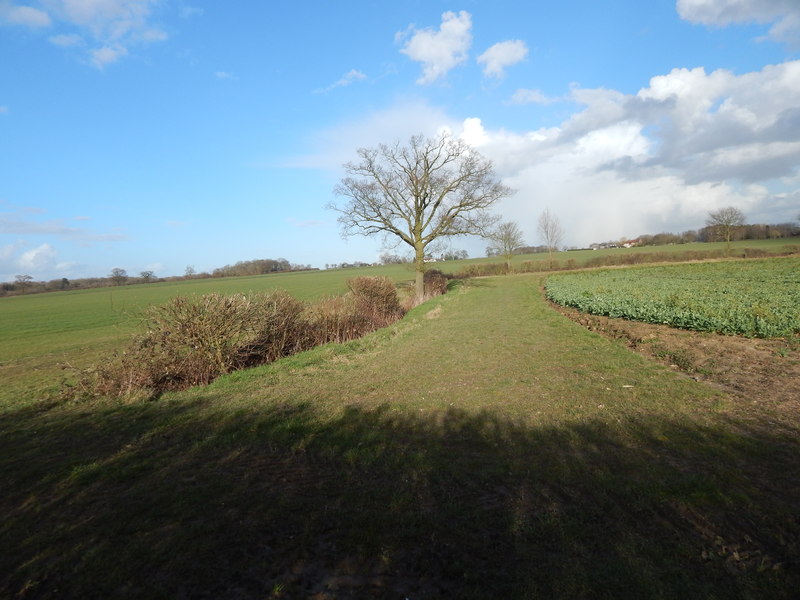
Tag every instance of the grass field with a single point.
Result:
(483, 447)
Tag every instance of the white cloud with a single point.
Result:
(659, 160)
(27, 16)
(108, 20)
(108, 27)
(100, 57)
(67, 40)
(523, 96)
(3, 110)
(351, 76)
(442, 50)
(225, 75)
(501, 56)
(783, 14)
(155, 267)
(187, 12)
(17, 222)
(7, 251)
(473, 132)
(721, 125)
(38, 259)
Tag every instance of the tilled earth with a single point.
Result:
(763, 372)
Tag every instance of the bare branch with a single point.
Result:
(430, 188)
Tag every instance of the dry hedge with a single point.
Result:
(193, 340)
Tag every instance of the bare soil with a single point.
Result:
(764, 372)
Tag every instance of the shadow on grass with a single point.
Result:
(192, 501)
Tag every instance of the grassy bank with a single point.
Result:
(485, 446)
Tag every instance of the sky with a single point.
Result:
(153, 135)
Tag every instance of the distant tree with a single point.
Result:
(387, 258)
(118, 276)
(689, 236)
(455, 255)
(550, 231)
(724, 223)
(506, 239)
(23, 282)
(189, 272)
(147, 276)
(430, 189)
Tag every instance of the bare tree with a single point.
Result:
(724, 223)
(551, 232)
(431, 188)
(147, 276)
(23, 282)
(506, 239)
(118, 276)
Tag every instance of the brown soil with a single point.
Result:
(764, 372)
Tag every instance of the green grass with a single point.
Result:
(484, 446)
(755, 297)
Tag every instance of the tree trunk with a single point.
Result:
(419, 266)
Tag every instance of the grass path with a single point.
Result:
(484, 447)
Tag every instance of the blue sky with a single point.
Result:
(157, 134)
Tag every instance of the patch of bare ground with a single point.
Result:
(763, 372)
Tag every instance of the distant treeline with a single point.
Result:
(707, 234)
(24, 284)
(260, 266)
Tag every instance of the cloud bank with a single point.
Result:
(627, 164)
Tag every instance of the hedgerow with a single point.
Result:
(193, 340)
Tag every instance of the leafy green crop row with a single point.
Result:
(757, 298)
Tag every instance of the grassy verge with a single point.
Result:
(485, 446)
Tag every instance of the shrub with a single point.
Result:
(435, 283)
(279, 329)
(482, 270)
(193, 340)
(334, 319)
(376, 299)
(370, 304)
(755, 253)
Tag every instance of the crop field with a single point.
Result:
(758, 298)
